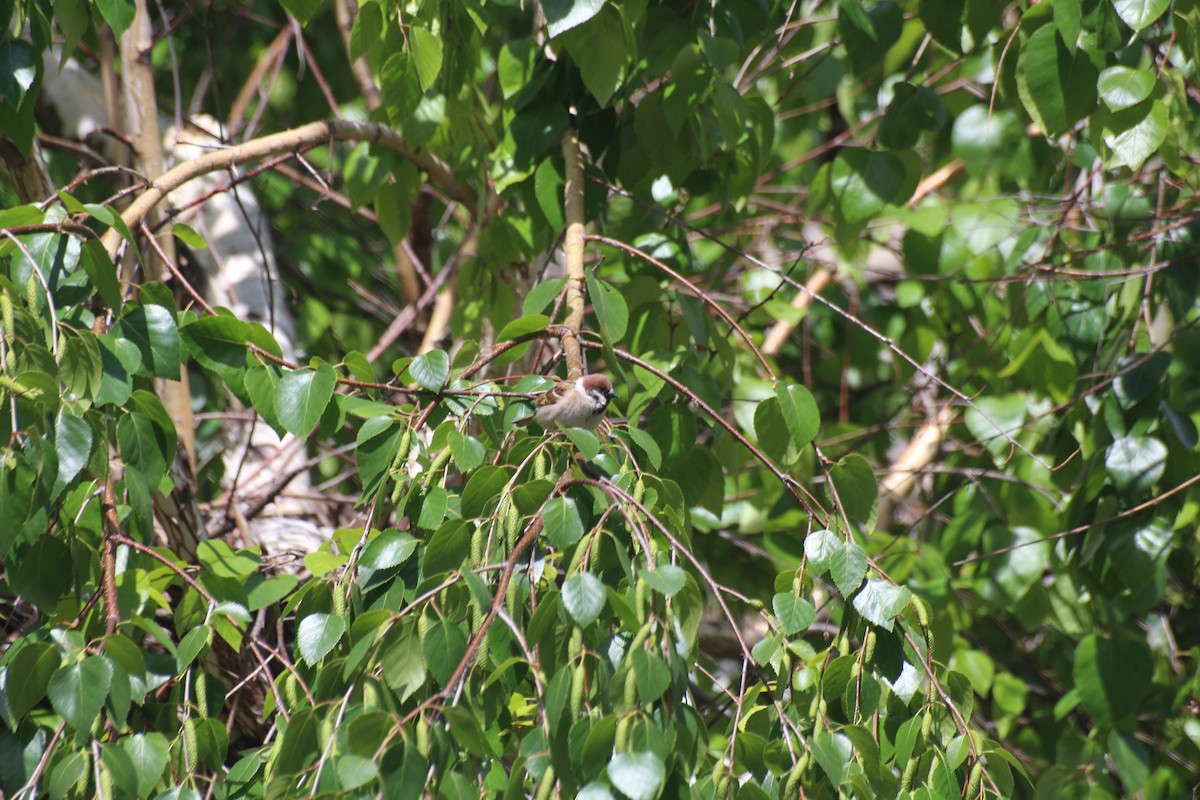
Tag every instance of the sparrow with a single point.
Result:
(574, 404)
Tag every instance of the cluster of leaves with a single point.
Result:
(525, 614)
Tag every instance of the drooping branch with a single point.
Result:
(298, 139)
(573, 251)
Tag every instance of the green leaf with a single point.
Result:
(639, 776)
(880, 602)
(530, 323)
(144, 447)
(819, 547)
(562, 15)
(73, 445)
(1135, 134)
(444, 647)
(772, 432)
(219, 344)
(118, 359)
(667, 579)
(188, 235)
(223, 561)
(152, 330)
(1131, 759)
(650, 674)
(800, 414)
(354, 771)
(548, 187)
(1139, 14)
(427, 55)
(117, 13)
(847, 566)
(1112, 677)
(431, 369)
(67, 773)
(77, 691)
(864, 182)
(611, 311)
(466, 730)
(542, 295)
(301, 398)
(1135, 383)
(944, 21)
(269, 591)
(1122, 87)
(1056, 85)
(795, 613)
(18, 69)
(192, 645)
(433, 508)
(586, 442)
(1182, 426)
(583, 596)
(913, 111)
(28, 677)
(148, 752)
(467, 450)
(388, 549)
(112, 217)
(401, 662)
(378, 444)
(367, 30)
(647, 445)
(1135, 464)
(603, 49)
(400, 85)
(80, 365)
(318, 634)
(448, 547)
(868, 31)
(482, 492)
(833, 752)
(103, 274)
(1068, 19)
(562, 522)
(302, 10)
(262, 383)
(857, 493)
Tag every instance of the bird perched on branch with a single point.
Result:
(580, 403)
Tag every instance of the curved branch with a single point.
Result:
(802, 495)
(297, 139)
(721, 312)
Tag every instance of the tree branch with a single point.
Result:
(573, 251)
(297, 139)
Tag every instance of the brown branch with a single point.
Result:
(409, 314)
(108, 557)
(573, 251)
(256, 82)
(523, 544)
(778, 335)
(902, 475)
(65, 226)
(298, 139)
(802, 495)
(1129, 512)
(721, 312)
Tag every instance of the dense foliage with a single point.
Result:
(899, 498)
